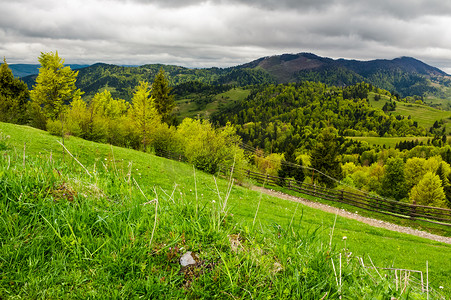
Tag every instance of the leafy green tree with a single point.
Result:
(14, 96)
(414, 170)
(325, 157)
(55, 86)
(269, 164)
(394, 181)
(144, 113)
(36, 117)
(428, 191)
(444, 173)
(104, 113)
(164, 102)
(165, 141)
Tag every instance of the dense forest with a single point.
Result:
(121, 80)
(288, 129)
(278, 115)
(402, 76)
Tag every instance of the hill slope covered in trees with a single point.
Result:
(403, 76)
(294, 114)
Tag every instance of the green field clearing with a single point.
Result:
(444, 102)
(95, 271)
(377, 104)
(440, 103)
(187, 106)
(424, 115)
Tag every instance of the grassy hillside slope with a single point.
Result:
(424, 115)
(195, 104)
(118, 228)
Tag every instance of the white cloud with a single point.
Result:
(204, 33)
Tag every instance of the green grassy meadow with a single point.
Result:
(424, 115)
(442, 102)
(191, 106)
(116, 227)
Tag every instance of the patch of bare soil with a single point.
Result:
(350, 215)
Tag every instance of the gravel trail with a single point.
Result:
(350, 215)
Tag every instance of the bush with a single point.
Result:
(210, 149)
(54, 127)
(164, 141)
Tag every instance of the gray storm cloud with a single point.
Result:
(224, 32)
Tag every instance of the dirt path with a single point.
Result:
(350, 215)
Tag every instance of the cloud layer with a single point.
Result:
(199, 33)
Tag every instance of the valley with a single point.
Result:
(86, 178)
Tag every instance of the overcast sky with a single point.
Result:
(222, 33)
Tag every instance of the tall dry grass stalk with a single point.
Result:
(332, 231)
(87, 172)
(150, 202)
(229, 186)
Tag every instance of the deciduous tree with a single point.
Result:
(55, 85)
(143, 113)
(13, 97)
(428, 191)
(208, 148)
(104, 113)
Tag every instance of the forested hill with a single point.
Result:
(121, 80)
(279, 115)
(403, 76)
(23, 70)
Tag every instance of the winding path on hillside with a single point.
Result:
(350, 215)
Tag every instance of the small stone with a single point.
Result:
(276, 267)
(187, 259)
(235, 243)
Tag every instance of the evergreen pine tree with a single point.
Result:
(324, 157)
(289, 168)
(164, 102)
(394, 182)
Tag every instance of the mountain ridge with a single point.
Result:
(310, 61)
(23, 70)
(404, 76)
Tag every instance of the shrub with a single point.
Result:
(54, 127)
(207, 148)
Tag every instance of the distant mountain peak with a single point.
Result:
(286, 67)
